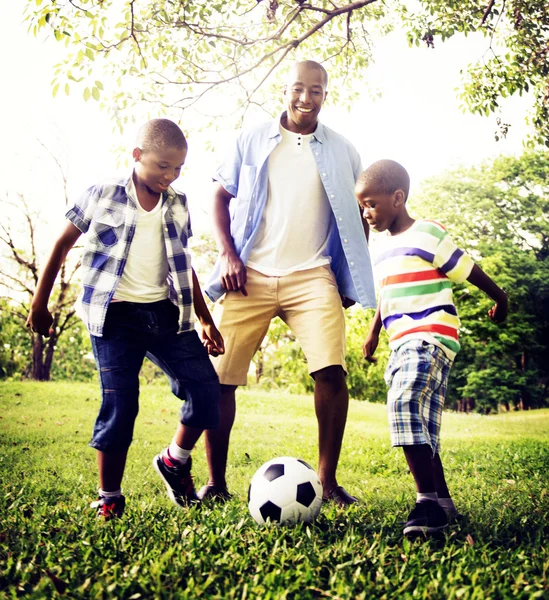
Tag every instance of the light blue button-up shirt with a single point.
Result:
(244, 174)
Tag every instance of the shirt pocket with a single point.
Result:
(107, 227)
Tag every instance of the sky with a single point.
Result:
(416, 121)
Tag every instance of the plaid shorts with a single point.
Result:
(417, 377)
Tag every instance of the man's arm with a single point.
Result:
(211, 338)
(40, 319)
(498, 312)
(233, 270)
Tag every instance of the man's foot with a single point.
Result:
(109, 508)
(426, 518)
(214, 492)
(340, 496)
(177, 479)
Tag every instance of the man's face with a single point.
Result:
(157, 169)
(304, 93)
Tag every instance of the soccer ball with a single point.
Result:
(285, 490)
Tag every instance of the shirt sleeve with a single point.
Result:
(452, 261)
(228, 173)
(81, 213)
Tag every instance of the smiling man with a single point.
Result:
(292, 244)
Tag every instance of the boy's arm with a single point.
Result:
(372, 339)
(498, 312)
(211, 338)
(233, 270)
(40, 319)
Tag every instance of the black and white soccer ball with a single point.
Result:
(285, 490)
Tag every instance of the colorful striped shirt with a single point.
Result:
(414, 271)
(107, 213)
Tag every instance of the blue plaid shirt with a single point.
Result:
(107, 213)
(244, 174)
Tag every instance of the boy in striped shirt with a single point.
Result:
(415, 263)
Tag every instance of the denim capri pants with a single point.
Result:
(131, 332)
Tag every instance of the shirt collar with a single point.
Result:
(168, 196)
(319, 133)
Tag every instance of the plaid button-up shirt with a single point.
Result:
(107, 213)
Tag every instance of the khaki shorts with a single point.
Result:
(307, 301)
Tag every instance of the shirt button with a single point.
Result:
(345, 240)
(332, 195)
(340, 219)
(323, 174)
(249, 219)
(352, 264)
(165, 229)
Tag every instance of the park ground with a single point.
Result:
(51, 545)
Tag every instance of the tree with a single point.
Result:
(18, 278)
(499, 213)
(174, 56)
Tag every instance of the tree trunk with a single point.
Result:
(39, 371)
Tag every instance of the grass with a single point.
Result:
(51, 545)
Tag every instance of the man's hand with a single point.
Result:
(39, 321)
(212, 339)
(233, 274)
(370, 346)
(346, 302)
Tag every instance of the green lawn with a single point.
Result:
(51, 543)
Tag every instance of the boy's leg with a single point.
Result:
(119, 355)
(416, 375)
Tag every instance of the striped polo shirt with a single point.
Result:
(415, 270)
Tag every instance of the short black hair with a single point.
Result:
(312, 64)
(385, 177)
(158, 134)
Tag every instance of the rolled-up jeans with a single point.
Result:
(133, 331)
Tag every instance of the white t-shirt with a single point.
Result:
(297, 220)
(144, 278)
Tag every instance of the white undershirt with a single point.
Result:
(144, 278)
(296, 223)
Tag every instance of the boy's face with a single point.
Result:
(157, 169)
(304, 94)
(379, 209)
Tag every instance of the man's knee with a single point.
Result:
(333, 376)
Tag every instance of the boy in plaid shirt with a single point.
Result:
(416, 261)
(138, 294)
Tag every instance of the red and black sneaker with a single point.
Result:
(177, 479)
(109, 508)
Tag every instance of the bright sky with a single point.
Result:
(417, 120)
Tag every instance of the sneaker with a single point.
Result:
(426, 518)
(177, 478)
(214, 492)
(109, 508)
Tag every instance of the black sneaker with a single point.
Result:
(426, 518)
(109, 508)
(214, 493)
(177, 478)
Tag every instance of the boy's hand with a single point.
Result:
(212, 339)
(369, 347)
(498, 312)
(233, 274)
(39, 321)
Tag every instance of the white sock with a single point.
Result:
(179, 454)
(448, 505)
(432, 496)
(115, 494)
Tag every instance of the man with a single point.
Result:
(293, 245)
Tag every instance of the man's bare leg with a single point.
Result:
(331, 406)
(217, 442)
